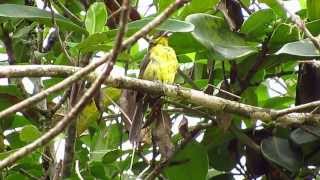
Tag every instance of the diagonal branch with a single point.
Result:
(86, 70)
(79, 106)
(111, 56)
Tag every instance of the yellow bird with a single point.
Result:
(163, 63)
(162, 66)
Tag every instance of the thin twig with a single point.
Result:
(29, 175)
(158, 169)
(7, 42)
(280, 83)
(191, 109)
(261, 58)
(118, 47)
(57, 31)
(188, 79)
(306, 129)
(300, 24)
(86, 70)
(68, 13)
(298, 108)
(225, 92)
(244, 138)
(71, 133)
(57, 106)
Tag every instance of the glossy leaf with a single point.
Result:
(172, 25)
(184, 43)
(258, 23)
(97, 170)
(103, 41)
(303, 48)
(305, 140)
(193, 163)
(284, 33)
(162, 4)
(275, 6)
(111, 156)
(278, 150)
(106, 139)
(88, 116)
(91, 114)
(313, 9)
(212, 32)
(29, 133)
(96, 18)
(12, 90)
(314, 27)
(216, 142)
(196, 7)
(278, 102)
(36, 14)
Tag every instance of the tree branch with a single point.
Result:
(86, 70)
(194, 133)
(301, 25)
(216, 104)
(59, 127)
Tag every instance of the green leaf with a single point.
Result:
(221, 158)
(313, 9)
(303, 48)
(36, 14)
(51, 82)
(284, 33)
(14, 1)
(96, 18)
(104, 41)
(303, 4)
(278, 102)
(12, 90)
(110, 93)
(91, 114)
(197, 7)
(249, 96)
(162, 4)
(222, 177)
(19, 121)
(97, 170)
(278, 150)
(193, 163)
(16, 175)
(314, 27)
(305, 140)
(7, 153)
(275, 6)
(184, 43)
(111, 156)
(258, 23)
(216, 142)
(29, 133)
(97, 42)
(213, 173)
(106, 139)
(172, 25)
(212, 32)
(88, 116)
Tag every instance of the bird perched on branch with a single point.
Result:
(160, 65)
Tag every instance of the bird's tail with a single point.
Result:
(137, 122)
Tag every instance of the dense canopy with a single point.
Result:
(244, 103)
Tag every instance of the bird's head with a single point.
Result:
(163, 40)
